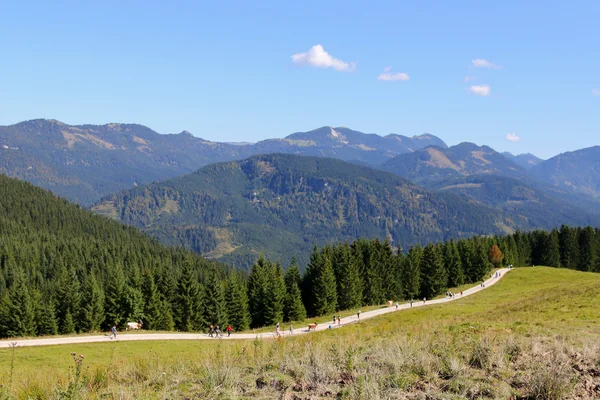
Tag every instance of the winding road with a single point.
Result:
(266, 335)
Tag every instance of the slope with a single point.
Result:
(284, 204)
(576, 171)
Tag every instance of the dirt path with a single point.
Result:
(268, 335)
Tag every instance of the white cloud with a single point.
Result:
(480, 90)
(469, 78)
(596, 92)
(481, 63)
(512, 137)
(387, 75)
(318, 57)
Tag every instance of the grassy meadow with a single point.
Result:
(533, 335)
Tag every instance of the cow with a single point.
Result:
(390, 303)
(312, 327)
(134, 325)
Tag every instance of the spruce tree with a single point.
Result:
(17, 310)
(465, 250)
(569, 247)
(294, 308)
(433, 273)
(46, 318)
(588, 249)
(325, 289)
(551, 253)
(349, 288)
(237, 304)
(453, 265)
(309, 280)
(114, 298)
(189, 305)
(215, 312)
(480, 264)
(266, 293)
(92, 305)
(153, 304)
(412, 272)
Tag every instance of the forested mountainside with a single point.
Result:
(84, 163)
(576, 171)
(281, 205)
(531, 205)
(433, 164)
(65, 269)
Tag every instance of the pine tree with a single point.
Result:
(453, 265)
(349, 288)
(237, 304)
(190, 302)
(465, 250)
(309, 279)
(68, 296)
(17, 310)
(266, 293)
(569, 247)
(215, 312)
(412, 272)
(294, 308)
(114, 296)
(46, 318)
(325, 289)
(433, 273)
(480, 264)
(551, 253)
(92, 306)
(588, 249)
(153, 304)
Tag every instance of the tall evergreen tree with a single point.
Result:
(237, 304)
(588, 249)
(92, 305)
(294, 309)
(551, 253)
(215, 311)
(17, 310)
(433, 273)
(465, 250)
(453, 264)
(266, 293)
(349, 288)
(569, 247)
(325, 289)
(412, 272)
(114, 300)
(480, 264)
(46, 318)
(190, 301)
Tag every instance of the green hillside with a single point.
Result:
(64, 269)
(282, 205)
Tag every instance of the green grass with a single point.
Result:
(536, 308)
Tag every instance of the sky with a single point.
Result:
(517, 76)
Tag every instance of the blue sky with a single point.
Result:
(225, 71)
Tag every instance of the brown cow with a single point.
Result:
(312, 327)
(389, 303)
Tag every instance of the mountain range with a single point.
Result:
(86, 162)
(282, 205)
(233, 200)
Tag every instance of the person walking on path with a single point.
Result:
(229, 329)
(358, 315)
(334, 319)
(211, 332)
(461, 292)
(291, 329)
(277, 332)
(339, 321)
(114, 331)
(396, 306)
(218, 332)
(424, 300)
(411, 303)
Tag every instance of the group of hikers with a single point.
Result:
(215, 332)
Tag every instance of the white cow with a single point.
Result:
(134, 325)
